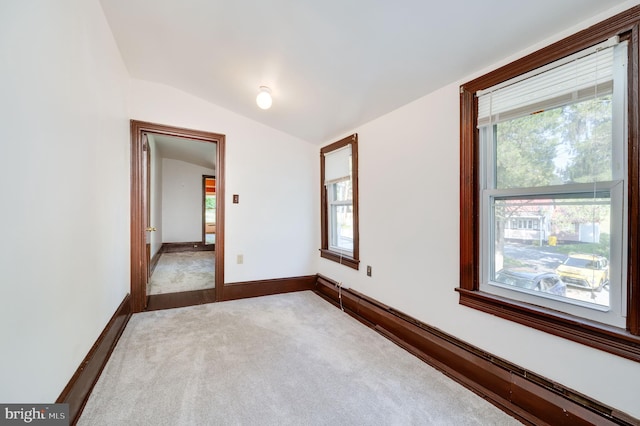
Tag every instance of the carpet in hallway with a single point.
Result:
(183, 271)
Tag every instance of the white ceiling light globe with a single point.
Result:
(263, 99)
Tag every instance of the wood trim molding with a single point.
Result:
(339, 258)
(242, 290)
(188, 246)
(618, 24)
(154, 261)
(204, 205)
(158, 302)
(633, 275)
(138, 209)
(76, 392)
(233, 291)
(599, 336)
(523, 394)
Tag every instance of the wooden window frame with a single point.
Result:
(325, 252)
(618, 341)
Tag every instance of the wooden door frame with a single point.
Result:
(138, 205)
(204, 207)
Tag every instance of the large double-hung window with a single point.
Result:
(550, 188)
(553, 184)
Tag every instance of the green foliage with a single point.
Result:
(565, 216)
(525, 149)
(587, 130)
(603, 248)
(210, 202)
(572, 143)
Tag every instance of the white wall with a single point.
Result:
(409, 234)
(155, 211)
(64, 180)
(275, 225)
(182, 201)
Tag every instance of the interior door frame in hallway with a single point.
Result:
(139, 260)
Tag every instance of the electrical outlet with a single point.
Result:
(368, 270)
(240, 260)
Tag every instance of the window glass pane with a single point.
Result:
(341, 224)
(565, 252)
(570, 144)
(341, 191)
(210, 209)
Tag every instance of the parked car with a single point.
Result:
(588, 271)
(531, 279)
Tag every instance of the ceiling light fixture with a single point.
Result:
(263, 99)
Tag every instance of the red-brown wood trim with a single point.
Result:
(593, 35)
(220, 215)
(205, 191)
(469, 157)
(356, 199)
(233, 291)
(158, 302)
(337, 257)
(76, 392)
(138, 215)
(242, 290)
(138, 249)
(523, 394)
(606, 338)
(633, 309)
(186, 246)
(154, 261)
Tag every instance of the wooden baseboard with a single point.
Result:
(246, 289)
(154, 261)
(231, 291)
(187, 246)
(79, 387)
(157, 302)
(525, 395)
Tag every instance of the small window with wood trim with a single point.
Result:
(339, 197)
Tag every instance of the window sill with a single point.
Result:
(603, 337)
(340, 258)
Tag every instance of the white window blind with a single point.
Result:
(337, 165)
(582, 76)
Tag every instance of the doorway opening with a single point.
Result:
(156, 230)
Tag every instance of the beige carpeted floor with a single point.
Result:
(289, 359)
(183, 271)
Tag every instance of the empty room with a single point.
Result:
(320, 212)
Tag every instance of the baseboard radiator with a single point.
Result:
(525, 395)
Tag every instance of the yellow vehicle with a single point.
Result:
(588, 271)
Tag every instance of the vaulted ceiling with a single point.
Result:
(196, 152)
(332, 65)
